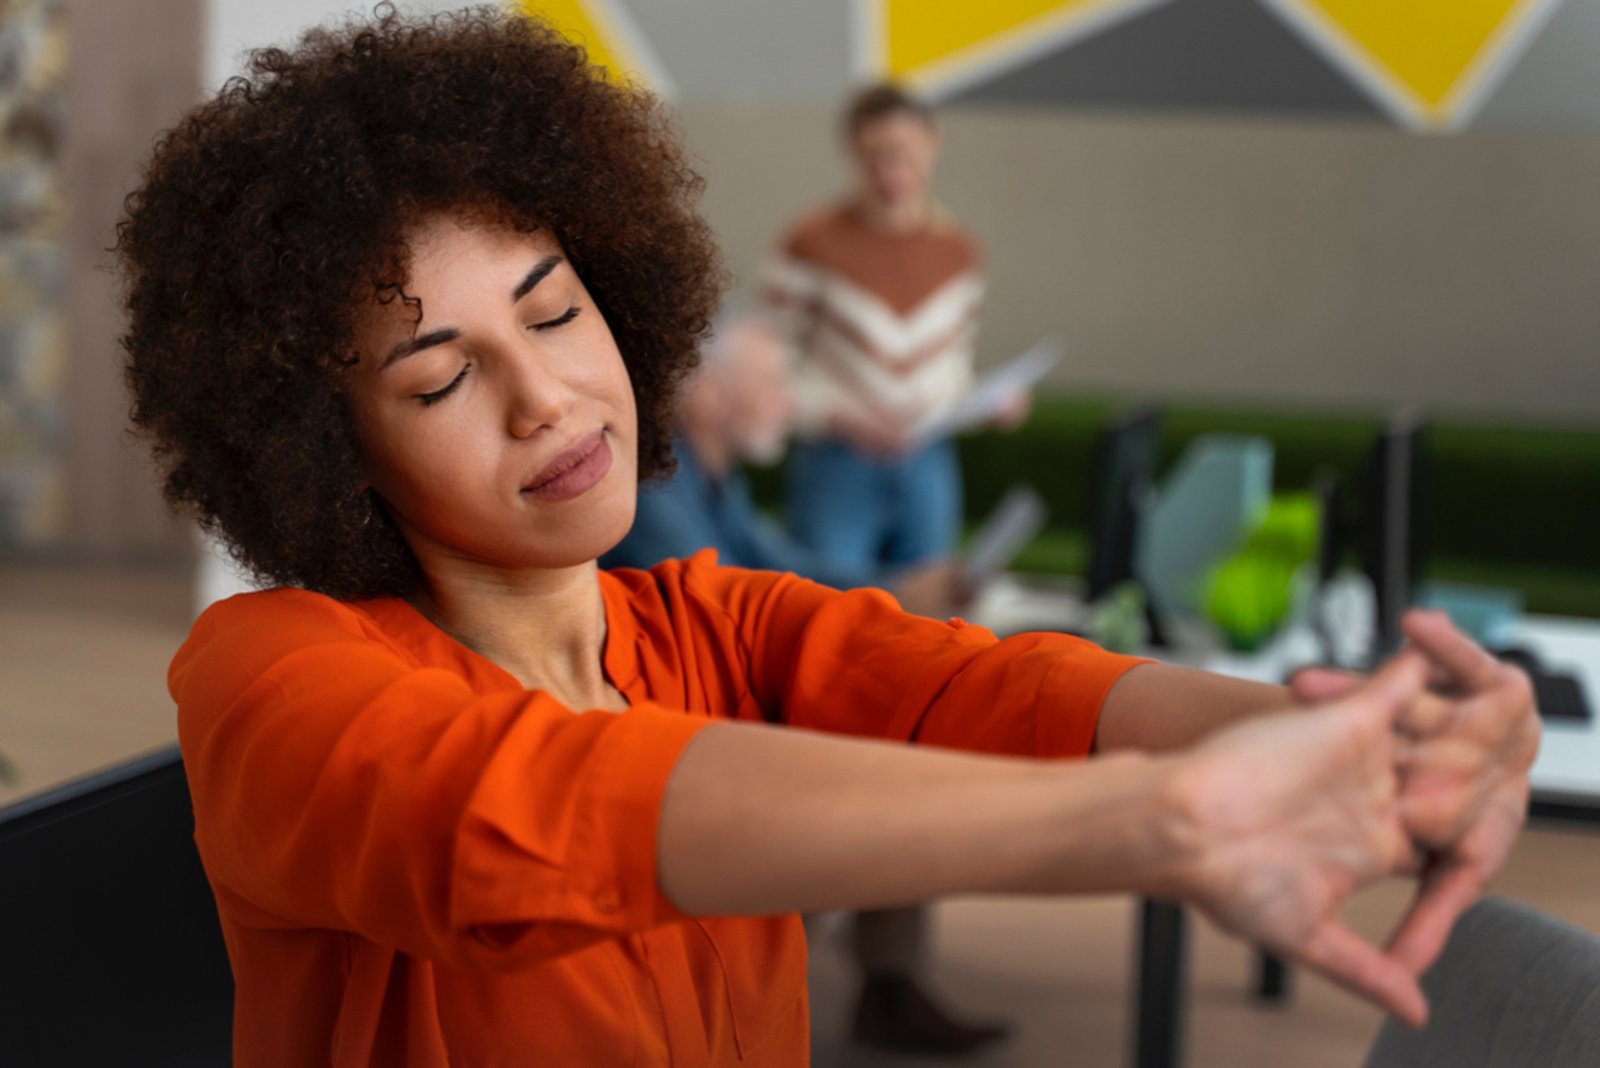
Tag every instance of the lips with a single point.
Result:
(574, 471)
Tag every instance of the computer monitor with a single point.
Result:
(1392, 527)
(1122, 474)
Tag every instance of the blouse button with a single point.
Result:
(608, 901)
(957, 622)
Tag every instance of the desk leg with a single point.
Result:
(1158, 1012)
(1272, 978)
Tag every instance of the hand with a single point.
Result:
(884, 441)
(1465, 780)
(1015, 411)
(1293, 813)
(933, 589)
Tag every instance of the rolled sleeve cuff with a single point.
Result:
(525, 865)
(621, 822)
(1081, 678)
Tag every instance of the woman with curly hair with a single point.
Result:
(407, 308)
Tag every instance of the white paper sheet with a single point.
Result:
(1015, 522)
(991, 394)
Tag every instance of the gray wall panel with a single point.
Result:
(1557, 83)
(1216, 54)
(765, 50)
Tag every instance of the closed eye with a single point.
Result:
(561, 320)
(440, 394)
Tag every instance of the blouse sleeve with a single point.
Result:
(854, 663)
(338, 785)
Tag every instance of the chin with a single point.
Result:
(609, 526)
(581, 539)
(574, 552)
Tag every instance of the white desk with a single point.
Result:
(1011, 603)
(1566, 773)
(1565, 777)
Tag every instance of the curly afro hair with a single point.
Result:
(273, 212)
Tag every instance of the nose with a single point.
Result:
(537, 397)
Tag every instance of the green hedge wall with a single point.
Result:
(1529, 495)
(1509, 505)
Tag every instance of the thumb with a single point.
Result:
(1443, 895)
(1313, 685)
(1349, 960)
(1391, 691)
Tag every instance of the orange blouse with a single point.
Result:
(418, 862)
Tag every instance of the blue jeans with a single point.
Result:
(864, 512)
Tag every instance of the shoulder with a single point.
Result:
(951, 232)
(700, 576)
(700, 587)
(245, 635)
(285, 612)
(813, 235)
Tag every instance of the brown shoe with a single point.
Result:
(894, 1012)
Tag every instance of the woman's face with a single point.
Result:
(895, 155)
(499, 429)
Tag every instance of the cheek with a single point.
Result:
(408, 462)
(395, 472)
(619, 394)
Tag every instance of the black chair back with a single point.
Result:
(110, 950)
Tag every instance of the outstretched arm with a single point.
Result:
(1268, 826)
(1158, 707)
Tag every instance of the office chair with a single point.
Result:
(112, 954)
(1514, 988)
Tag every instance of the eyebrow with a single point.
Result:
(417, 344)
(438, 337)
(535, 276)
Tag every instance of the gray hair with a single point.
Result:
(717, 350)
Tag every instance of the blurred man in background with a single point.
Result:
(738, 410)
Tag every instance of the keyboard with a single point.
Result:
(1560, 697)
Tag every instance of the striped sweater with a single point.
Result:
(883, 323)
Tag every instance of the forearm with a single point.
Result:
(765, 820)
(1158, 707)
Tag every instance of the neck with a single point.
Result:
(899, 216)
(545, 627)
(710, 450)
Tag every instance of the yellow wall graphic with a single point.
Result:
(932, 43)
(600, 27)
(1429, 60)
(921, 32)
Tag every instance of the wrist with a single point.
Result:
(1145, 836)
(1178, 830)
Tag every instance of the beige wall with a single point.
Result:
(1331, 263)
(135, 65)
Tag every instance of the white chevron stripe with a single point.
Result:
(884, 328)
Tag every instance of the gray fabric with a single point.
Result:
(1514, 988)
